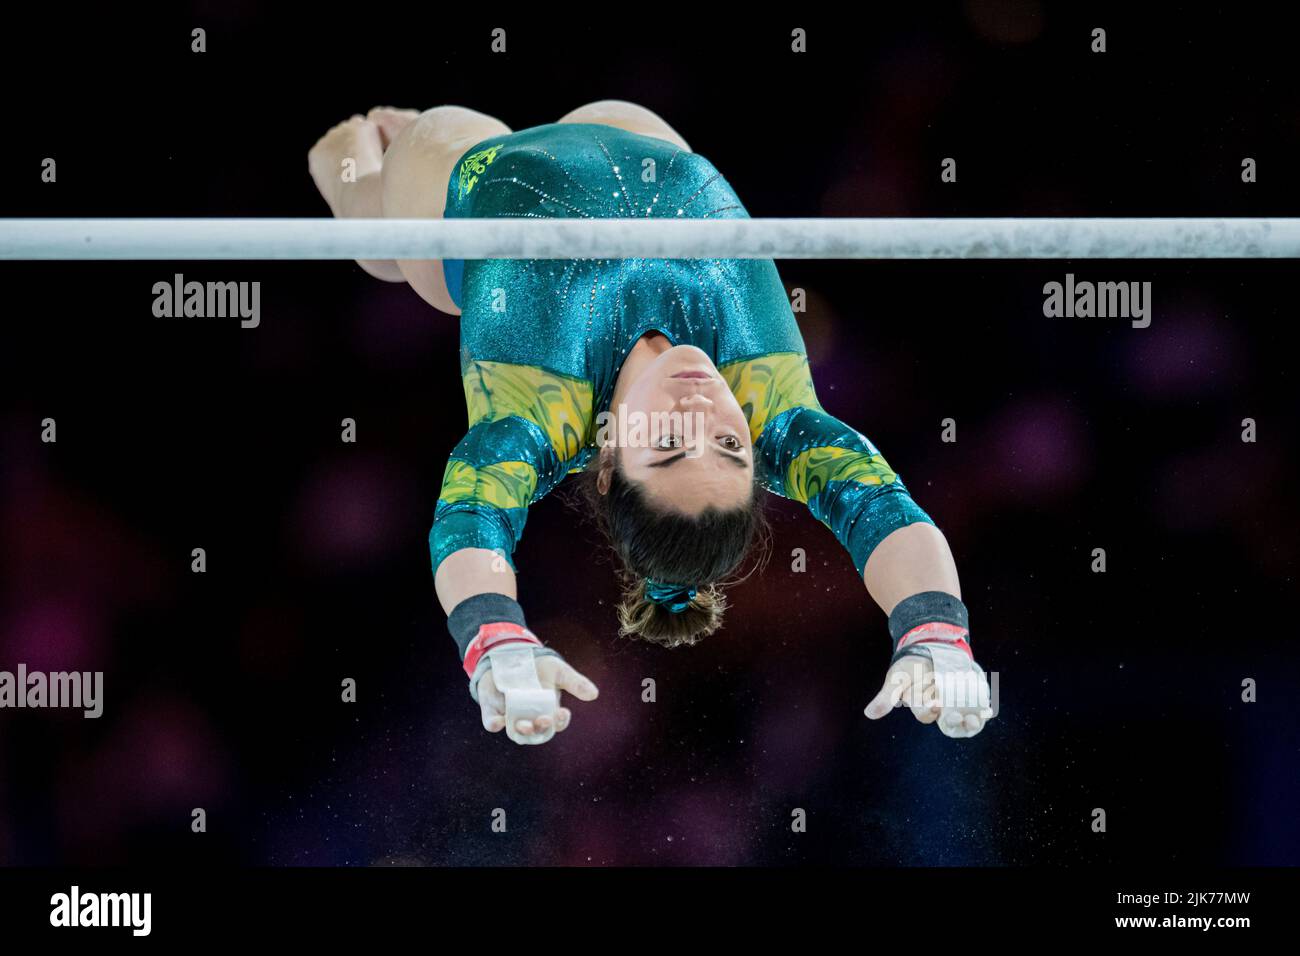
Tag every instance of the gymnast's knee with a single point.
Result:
(628, 116)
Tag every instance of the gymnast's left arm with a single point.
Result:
(912, 576)
(808, 455)
(494, 474)
(908, 570)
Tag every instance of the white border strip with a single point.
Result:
(1006, 238)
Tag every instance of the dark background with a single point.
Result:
(1118, 690)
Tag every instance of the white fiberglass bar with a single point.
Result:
(826, 238)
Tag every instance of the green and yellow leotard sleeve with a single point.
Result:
(528, 427)
(805, 454)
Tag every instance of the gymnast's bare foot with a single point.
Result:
(390, 121)
(357, 139)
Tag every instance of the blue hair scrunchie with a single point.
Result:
(675, 597)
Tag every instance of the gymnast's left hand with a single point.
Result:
(958, 700)
(553, 673)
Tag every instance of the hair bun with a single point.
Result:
(642, 617)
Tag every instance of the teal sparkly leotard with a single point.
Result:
(542, 341)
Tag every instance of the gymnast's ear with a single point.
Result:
(605, 469)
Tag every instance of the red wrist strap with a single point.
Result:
(494, 635)
(937, 633)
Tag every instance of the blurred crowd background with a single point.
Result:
(1119, 691)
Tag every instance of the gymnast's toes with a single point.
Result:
(347, 152)
(390, 120)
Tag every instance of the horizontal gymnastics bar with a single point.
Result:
(518, 238)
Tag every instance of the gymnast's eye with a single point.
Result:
(670, 441)
(730, 442)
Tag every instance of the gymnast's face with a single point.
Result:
(682, 435)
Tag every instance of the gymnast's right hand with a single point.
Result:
(553, 674)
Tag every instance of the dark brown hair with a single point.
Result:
(704, 550)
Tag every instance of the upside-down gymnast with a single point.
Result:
(599, 368)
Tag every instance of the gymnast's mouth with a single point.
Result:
(692, 375)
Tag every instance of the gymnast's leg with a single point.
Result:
(356, 147)
(404, 162)
(628, 116)
(417, 169)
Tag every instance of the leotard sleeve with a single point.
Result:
(805, 454)
(528, 428)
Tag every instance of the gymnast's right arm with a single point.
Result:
(491, 478)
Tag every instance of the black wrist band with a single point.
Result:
(928, 607)
(472, 613)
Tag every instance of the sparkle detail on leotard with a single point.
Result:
(543, 341)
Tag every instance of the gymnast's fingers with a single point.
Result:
(493, 723)
(562, 718)
(897, 681)
(564, 677)
(492, 704)
(927, 710)
(960, 722)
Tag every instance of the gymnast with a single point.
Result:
(596, 368)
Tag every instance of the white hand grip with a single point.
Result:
(959, 681)
(515, 674)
